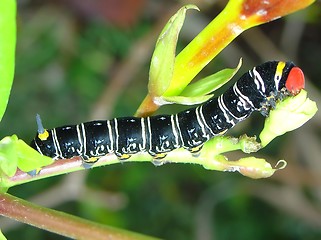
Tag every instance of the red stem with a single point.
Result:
(59, 222)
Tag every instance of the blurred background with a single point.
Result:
(82, 60)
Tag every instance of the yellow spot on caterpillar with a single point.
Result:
(92, 160)
(43, 136)
(279, 69)
(196, 149)
(223, 132)
(160, 155)
(124, 157)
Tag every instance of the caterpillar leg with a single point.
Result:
(157, 159)
(87, 163)
(34, 172)
(159, 156)
(195, 151)
(124, 157)
(158, 162)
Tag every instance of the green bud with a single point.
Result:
(288, 115)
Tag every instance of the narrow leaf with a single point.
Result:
(8, 156)
(163, 60)
(29, 159)
(211, 83)
(2, 237)
(14, 153)
(183, 100)
(7, 50)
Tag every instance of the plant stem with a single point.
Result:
(147, 107)
(59, 222)
(208, 158)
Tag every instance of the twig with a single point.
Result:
(59, 222)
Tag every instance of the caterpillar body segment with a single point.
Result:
(257, 90)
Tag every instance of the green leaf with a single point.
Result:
(163, 60)
(29, 159)
(14, 153)
(7, 50)
(288, 115)
(182, 100)
(197, 93)
(2, 237)
(211, 83)
(8, 156)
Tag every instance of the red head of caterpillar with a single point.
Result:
(295, 81)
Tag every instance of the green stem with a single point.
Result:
(207, 156)
(59, 222)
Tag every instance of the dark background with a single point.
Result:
(82, 60)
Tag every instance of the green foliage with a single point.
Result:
(210, 83)
(166, 197)
(7, 50)
(163, 60)
(8, 157)
(2, 237)
(14, 154)
(199, 91)
(288, 115)
(162, 68)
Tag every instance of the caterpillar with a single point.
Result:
(257, 90)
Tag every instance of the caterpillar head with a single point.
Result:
(288, 77)
(273, 81)
(44, 144)
(295, 81)
(277, 77)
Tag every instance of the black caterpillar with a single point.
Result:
(256, 90)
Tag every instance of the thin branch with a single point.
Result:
(59, 222)
(210, 158)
